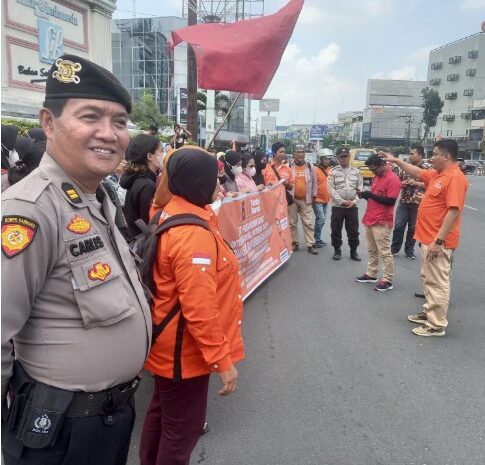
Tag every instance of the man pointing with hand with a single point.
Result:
(438, 230)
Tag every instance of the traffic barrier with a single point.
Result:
(257, 228)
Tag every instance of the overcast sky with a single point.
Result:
(338, 44)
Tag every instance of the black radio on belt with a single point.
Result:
(37, 411)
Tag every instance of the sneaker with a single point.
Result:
(418, 294)
(365, 278)
(419, 318)
(337, 255)
(411, 256)
(294, 246)
(428, 331)
(320, 244)
(384, 285)
(312, 250)
(394, 253)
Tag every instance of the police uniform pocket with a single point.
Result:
(99, 292)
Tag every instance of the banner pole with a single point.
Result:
(213, 138)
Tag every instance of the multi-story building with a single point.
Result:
(457, 72)
(142, 60)
(35, 33)
(393, 112)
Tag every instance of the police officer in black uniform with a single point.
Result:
(76, 326)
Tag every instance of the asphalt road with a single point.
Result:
(334, 376)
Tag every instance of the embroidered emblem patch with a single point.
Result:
(79, 225)
(18, 233)
(99, 271)
(42, 424)
(71, 192)
(66, 71)
(200, 258)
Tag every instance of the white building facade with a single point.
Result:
(35, 33)
(457, 72)
(393, 112)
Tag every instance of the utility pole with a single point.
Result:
(192, 110)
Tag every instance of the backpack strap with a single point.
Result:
(182, 219)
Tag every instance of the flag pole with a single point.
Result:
(213, 138)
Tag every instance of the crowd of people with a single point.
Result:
(79, 325)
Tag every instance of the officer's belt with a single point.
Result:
(83, 404)
(89, 404)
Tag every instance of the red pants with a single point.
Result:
(174, 421)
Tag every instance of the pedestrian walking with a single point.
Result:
(321, 201)
(412, 192)
(438, 231)
(198, 303)
(304, 193)
(378, 222)
(344, 182)
(76, 326)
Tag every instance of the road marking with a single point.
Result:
(471, 208)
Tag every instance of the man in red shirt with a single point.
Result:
(378, 221)
(438, 231)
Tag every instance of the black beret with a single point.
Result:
(75, 77)
(343, 151)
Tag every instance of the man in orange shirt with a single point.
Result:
(304, 194)
(321, 201)
(438, 231)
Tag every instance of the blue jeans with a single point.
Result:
(320, 210)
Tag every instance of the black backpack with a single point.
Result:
(144, 248)
(144, 245)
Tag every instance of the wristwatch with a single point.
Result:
(439, 241)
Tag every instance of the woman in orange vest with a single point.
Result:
(195, 268)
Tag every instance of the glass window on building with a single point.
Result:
(142, 60)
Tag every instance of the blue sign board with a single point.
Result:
(317, 132)
(51, 41)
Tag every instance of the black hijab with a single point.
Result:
(37, 134)
(231, 159)
(9, 137)
(192, 174)
(258, 155)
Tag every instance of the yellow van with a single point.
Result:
(358, 158)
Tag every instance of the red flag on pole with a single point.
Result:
(242, 56)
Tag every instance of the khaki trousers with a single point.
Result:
(305, 210)
(435, 275)
(378, 238)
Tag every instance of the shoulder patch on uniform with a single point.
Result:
(18, 233)
(71, 193)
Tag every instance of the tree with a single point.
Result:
(432, 105)
(146, 112)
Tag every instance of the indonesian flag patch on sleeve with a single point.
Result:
(200, 258)
(18, 232)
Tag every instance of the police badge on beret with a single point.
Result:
(72, 76)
